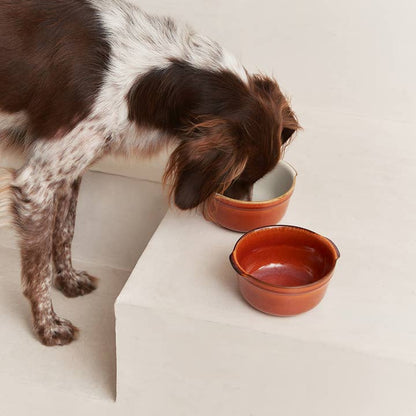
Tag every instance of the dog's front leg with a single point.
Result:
(52, 168)
(70, 282)
(35, 208)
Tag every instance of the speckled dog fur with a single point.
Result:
(84, 78)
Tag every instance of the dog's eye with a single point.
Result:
(286, 134)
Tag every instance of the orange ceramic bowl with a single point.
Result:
(271, 196)
(284, 270)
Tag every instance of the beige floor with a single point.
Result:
(87, 366)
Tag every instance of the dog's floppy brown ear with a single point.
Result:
(206, 162)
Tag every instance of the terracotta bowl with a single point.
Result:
(284, 270)
(271, 196)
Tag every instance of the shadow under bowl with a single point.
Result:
(271, 196)
(284, 270)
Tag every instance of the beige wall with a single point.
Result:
(347, 56)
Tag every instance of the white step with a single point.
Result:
(188, 344)
(185, 334)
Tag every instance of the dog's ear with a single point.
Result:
(206, 162)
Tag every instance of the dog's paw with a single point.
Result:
(73, 284)
(56, 331)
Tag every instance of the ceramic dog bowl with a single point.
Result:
(284, 270)
(271, 196)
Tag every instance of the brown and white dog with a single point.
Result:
(84, 78)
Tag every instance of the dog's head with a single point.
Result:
(231, 131)
(266, 131)
(229, 150)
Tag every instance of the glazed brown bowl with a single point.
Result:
(284, 270)
(271, 196)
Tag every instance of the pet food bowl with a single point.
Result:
(271, 196)
(284, 270)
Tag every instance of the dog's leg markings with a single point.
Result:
(35, 210)
(70, 282)
(52, 170)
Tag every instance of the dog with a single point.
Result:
(80, 79)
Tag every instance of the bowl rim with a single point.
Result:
(226, 199)
(274, 287)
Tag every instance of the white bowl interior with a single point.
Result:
(275, 183)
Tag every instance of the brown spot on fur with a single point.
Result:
(52, 62)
